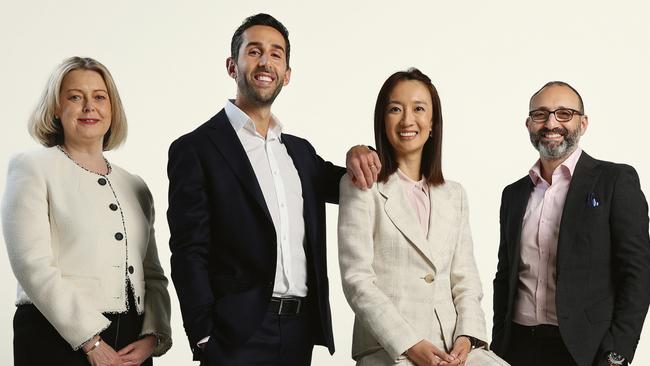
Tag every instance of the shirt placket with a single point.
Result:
(545, 223)
(282, 207)
(420, 199)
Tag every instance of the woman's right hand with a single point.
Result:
(102, 355)
(424, 353)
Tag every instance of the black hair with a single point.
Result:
(258, 19)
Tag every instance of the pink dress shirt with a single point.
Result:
(417, 194)
(535, 301)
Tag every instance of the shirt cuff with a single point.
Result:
(202, 342)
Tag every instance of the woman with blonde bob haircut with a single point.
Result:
(79, 234)
(48, 130)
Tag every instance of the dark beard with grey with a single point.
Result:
(553, 150)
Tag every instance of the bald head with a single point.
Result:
(553, 85)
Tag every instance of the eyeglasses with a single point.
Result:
(561, 114)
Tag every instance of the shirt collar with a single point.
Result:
(238, 119)
(568, 166)
(421, 184)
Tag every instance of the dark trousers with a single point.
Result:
(281, 340)
(537, 346)
(36, 342)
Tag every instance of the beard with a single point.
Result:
(552, 149)
(259, 97)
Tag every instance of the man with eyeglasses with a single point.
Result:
(572, 282)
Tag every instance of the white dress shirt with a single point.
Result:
(282, 191)
(280, 184)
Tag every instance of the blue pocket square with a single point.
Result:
(592, 200)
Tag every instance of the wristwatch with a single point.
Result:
(474, 342)
(614, 359)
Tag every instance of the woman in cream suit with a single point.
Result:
(405, 246)
(79, 234)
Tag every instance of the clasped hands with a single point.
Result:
(131, 355)
(424, 353)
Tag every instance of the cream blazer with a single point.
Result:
(402, 285)
(73, 242)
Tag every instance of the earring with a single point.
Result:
(431, 134)
(56, 120)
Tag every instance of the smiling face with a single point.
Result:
(553, 139)
(261, 68)
(84, 108)
(408, 118)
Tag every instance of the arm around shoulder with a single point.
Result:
(329, 176)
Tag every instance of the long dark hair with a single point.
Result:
(431, 164)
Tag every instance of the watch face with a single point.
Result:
(615, 358)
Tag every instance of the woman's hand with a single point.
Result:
(102, 355)
(461, 349)
(135, 353)
(424, 353)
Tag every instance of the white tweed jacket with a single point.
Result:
(74, 238)
(402, 285)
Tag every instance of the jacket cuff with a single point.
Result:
(163, 343)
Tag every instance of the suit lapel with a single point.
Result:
(520, 197)
(299, 163)
(441, 220)
(397, 210)
(582, 183)
(226, 141)
(305, 183)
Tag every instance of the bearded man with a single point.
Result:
(247, 218)
(572, 281)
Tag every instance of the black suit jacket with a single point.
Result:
(603, 261)
(223, 241)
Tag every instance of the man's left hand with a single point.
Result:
(363, 166)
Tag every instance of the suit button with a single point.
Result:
(113, 207)
(119, 236)
(428, 278)
(101, 181)
(131, 270)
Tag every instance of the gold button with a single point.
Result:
(428, 278)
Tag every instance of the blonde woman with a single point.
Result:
(79, 233)
(405, 246)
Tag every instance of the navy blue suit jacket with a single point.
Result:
(223, 240)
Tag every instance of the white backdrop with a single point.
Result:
(485, 57)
